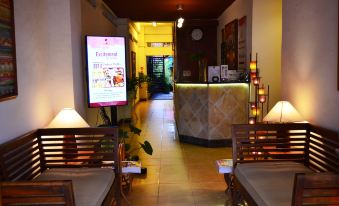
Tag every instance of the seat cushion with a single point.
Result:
(269, 183)
(90, 185)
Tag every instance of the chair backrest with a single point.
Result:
(37, 193)
(20, 158)
(26, 156)
(322, 150)
(316, 189)
(316, 147)
(269, 142)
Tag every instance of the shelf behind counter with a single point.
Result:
(204, 112)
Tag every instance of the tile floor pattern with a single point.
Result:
(178, 174)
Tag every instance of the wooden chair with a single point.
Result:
(37, 193)
(316, 189)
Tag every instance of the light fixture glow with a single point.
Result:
(67, 118)
(256, 81)
(251, 120)
(261, 90)
(283, 111)
(253, 65)
(255, 112)
(154, 23)
(262, 98)
(180, 20)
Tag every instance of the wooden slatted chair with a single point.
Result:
(37, 193)
(316, 189)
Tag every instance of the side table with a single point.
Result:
(225, 166)
(128, 168)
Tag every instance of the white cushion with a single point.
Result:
(90, 185)
(269, 183)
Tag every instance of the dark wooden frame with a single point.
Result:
(8, 72)
(316, 189)
(231, 44)
(315, 147)
(58, 192)
(27, 156)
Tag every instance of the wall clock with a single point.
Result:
(197, 34)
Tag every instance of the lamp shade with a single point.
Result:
(67, 118)
(283, 111)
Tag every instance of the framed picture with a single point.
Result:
(242, 44)
(223, 73)
(231, 43)
(8, 74)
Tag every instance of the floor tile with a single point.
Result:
(178, 174)
(176, 201)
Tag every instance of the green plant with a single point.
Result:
(135, 82)
(127, 134)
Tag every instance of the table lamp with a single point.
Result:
(283, 112)
(68, 118)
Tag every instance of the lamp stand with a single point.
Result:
(114, 116)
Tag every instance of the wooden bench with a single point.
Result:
(316, 189)
(31, 165)
(267, 157)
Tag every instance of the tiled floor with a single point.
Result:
(177, 174)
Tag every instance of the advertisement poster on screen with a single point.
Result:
(106, 75)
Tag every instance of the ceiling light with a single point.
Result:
(180, 20)
(179, 7)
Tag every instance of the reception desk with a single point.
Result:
(205, 112)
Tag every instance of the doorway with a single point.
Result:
(160, 69)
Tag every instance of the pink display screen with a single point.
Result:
(106, 71)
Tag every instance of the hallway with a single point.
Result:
(178, 174)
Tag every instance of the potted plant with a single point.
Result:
(132, 86)
(128, 135)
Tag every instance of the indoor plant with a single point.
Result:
(128, 135)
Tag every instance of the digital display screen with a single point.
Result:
(106, 71)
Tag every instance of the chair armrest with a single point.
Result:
(37, 192)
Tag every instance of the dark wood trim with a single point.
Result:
(205, 142)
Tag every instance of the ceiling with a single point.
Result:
(166, 10)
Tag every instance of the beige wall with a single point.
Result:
(266, 41)
(309, 59)
(47, 52)
(59, 53)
